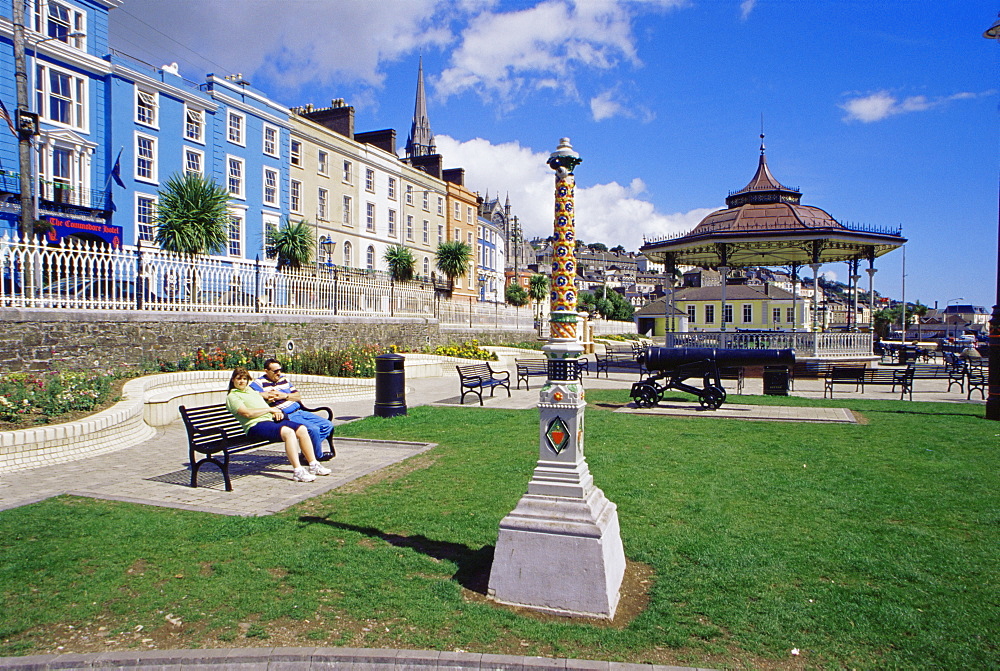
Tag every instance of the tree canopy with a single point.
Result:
(192, 216)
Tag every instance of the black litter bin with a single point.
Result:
(776, 380)
(390, 385)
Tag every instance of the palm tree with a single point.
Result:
(401, 263)
(453, 259)
(192, 216)
(291, 243)
(538, 291)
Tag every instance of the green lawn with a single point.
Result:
(864, 546)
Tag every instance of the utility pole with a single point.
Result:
(24, 131)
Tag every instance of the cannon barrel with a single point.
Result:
(668, 358)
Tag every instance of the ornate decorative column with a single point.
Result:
(871, 270)
(560, 549)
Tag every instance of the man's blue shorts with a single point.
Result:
(269, 430)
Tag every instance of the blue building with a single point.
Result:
(67, 76)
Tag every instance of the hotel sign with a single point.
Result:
(61, 227)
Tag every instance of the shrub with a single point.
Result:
(466, 350)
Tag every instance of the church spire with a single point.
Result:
(421, 139)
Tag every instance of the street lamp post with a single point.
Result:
(560, 549)
(993, 397)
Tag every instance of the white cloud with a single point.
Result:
(882, 105)
(745, 8)
(610, 213)
(603, 107)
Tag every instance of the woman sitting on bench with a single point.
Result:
(261, 421)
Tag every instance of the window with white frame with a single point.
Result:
(295, 195)
(458, 211)
(391, 189)
(63, 173)
(58, 21)
(145, 107)
(322, 162)
(370, 258)
(269, 224)
(370, 216)
(709, 314)
(270, 140)
(194, 125)
(322, 200)
(348, 218)
(145, 158)
(271, 187)
(409, 227)
(347, 255)
(295, 154)
(409, 195)
(235, 173)
(61, 97)
(727, 313)
(440, 234)
(236, 127)
(369, 180)
(426, 231)
(790, 315)
(235, 245)
(692, 313)
(145, 217)
(747, 313)
(392, 223)
(194, 161)
(470, 240)
(776, 315)
(426, 204)
(441, 207)
(348, 172)
(427, 266)
(468, 216)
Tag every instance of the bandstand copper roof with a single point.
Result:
(765, 224)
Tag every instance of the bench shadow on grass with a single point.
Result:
(473, 565)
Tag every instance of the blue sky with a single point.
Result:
(883, 113)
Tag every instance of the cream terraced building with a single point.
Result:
(358, 194)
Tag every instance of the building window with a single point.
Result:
(295, 196)
(322, 195)
(370, 180)
(747, 313)
(440, 234)
(468, 216)
(370, 216)
(322, 162)
(235, 234)
(145, 107)
(296, 153)
(370, 258)
(790, 315)
(409, 195)
(469, 240)
(270, 140)
(392, 188)
(427, 205)
(61, 97)
(145, 158)
(426, 232)
(235, 125)
(392, 223)
(727, 313)
(61, 21)
(409, 227)
(145, 217)
(63, 175)
(441, 207)
(348, 172)
(271, 187)
(347, 254)
(458, 211)
(194, 125)
(427, 267)
(709, 314)
(347, 211)
(776, 315)
(234, 175)
(692, 313)
(194, 161)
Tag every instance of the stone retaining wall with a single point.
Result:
(43, 339)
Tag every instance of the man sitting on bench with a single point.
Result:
(282, 394)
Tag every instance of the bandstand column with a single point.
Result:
(871, 270)
(815, 313)
(724, 270)
(560, 549)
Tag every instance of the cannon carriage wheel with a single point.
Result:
(646, 395)
(711, 398)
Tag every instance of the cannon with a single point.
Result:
(669, 367)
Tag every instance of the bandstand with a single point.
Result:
(765, 224)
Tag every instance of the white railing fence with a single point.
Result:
(80, 275)
(831, 345)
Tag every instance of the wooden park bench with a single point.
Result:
(212, 429)
(619, 355)
(475, 377)
(733, 373)
(860, 377)
(808, 369)
(976, 377)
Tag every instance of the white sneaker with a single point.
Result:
(317, 468)
(302, 474)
